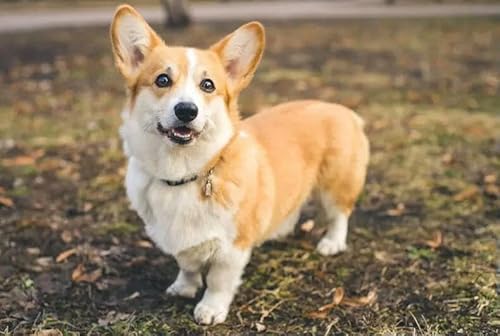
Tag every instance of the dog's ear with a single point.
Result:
(240, 53)
(132, 40)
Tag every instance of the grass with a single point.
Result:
(429, 92)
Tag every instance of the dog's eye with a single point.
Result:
(163, 81)
(207, 85)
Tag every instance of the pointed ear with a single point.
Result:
(240, 53)
(132, 40)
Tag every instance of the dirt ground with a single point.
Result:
(422, 244)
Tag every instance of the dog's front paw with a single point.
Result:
(328, 246)
(183, 288)
(208, 314)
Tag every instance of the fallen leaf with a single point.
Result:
(79, 275)
(436, 241)
(307, 226)
(112, 317)
(33, 250)
(492, 190)
(132, 296)
(44, 261)
(87, 206)
(318, 315)
(77, 272)
(380, 124)
(22, 160)
(490, 178)
(6, 201)
(65, 255)
(144, 244)
(337, 298)
(260, 327)
(397, 211)
(66, 236)
(2, 190)
(361, 301)
(339, 295)
(383, 257)
(48, 332)
(136, 261)
(447, 158)
(323, 311)
(467, 193)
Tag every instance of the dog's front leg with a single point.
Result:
(186, 284)
(223, 279)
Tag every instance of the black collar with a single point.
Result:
(181, 181)
(207, 187)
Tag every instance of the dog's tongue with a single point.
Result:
(183, 130)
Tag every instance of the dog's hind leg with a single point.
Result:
(335, 238)
(340, 181)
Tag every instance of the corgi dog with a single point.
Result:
(210, 186)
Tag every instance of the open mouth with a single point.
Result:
(181, 135)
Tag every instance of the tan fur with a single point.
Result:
(288, 150)
(296, 147)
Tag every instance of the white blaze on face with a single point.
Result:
(189, 92)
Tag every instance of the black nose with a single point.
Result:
(186, 111)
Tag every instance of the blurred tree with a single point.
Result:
(177, 12)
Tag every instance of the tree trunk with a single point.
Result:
(177, 13)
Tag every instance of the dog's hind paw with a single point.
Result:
(328, 246)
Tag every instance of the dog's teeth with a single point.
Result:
(180, 135)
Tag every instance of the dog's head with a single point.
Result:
(183, 96)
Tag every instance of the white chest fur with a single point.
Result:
(176, 218)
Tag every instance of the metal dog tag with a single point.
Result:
(208, 184)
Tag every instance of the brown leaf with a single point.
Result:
(87, 206)
(447, 158)
(132, 296)
(65, 255)
(436, 241)
(323, 311)
(467, 193)
(307, 226)
(33, 251)
(66, 236)
(383, 257)
(361, 301)
(397, 211)
(6, 201)
(44, 261)
(77, 272)
(490, 178)
(48, 332)
(492, 190)
(22, 160)
(260, 327)
(380, 124)
(144, 244)
(318, 315)
(339, 296)
(79, 275)
(2, 190)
